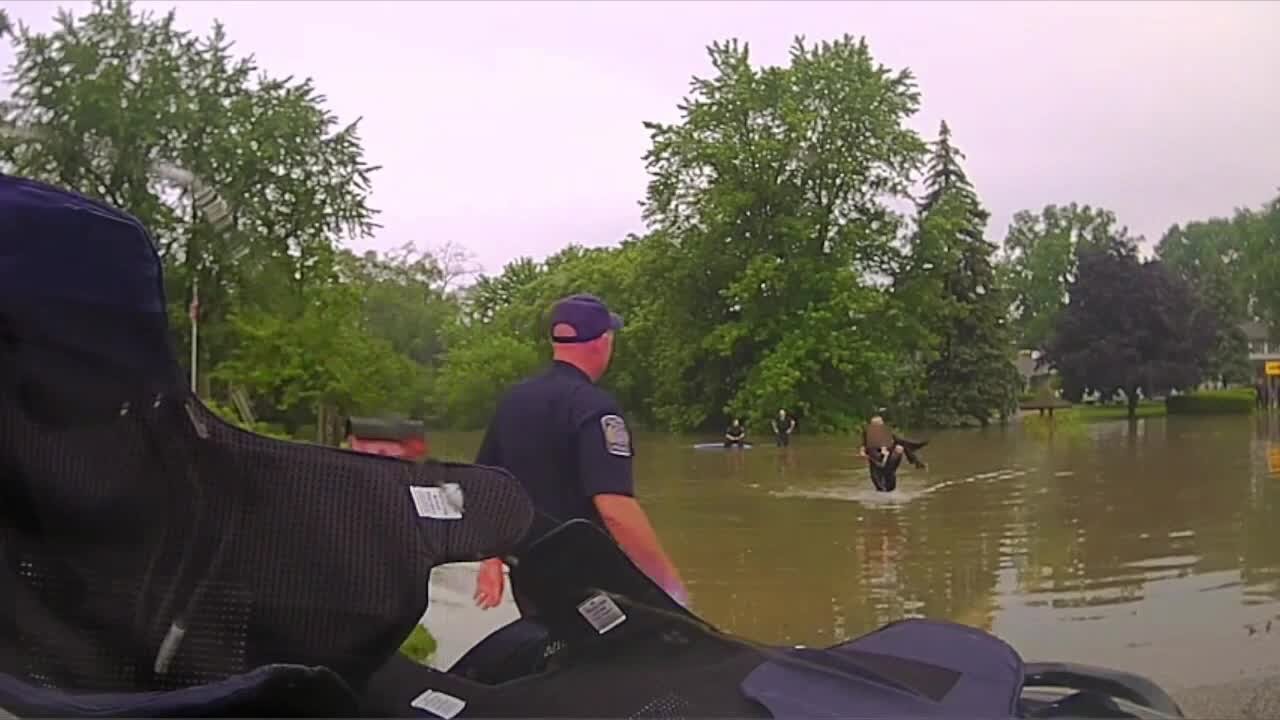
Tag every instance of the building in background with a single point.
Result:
(1264, 358)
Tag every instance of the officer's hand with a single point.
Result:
(489, 584)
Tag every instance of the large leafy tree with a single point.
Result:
(405, 299)
(1261, 229)
(1211, 256)
(771, 199)
(322, 363)
(502, 335)
(1130, 326)
(950, 284)
(105, 96)
(1041, 251)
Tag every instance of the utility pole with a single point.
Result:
(195, 333)
(195, 300)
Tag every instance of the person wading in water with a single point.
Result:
(884, 452)
(783, 426)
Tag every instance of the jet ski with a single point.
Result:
(607, 642)
(156, 561)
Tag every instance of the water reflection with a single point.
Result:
(1152, 545)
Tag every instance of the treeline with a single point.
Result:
(805, 249)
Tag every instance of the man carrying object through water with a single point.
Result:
(884, 452)
(565, 440)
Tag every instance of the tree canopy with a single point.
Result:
(805, 248)
(949, 286)
(1041, 252)
(771, 202)
(1129, 326)
(106, 96)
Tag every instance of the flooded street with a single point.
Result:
(1152, 548)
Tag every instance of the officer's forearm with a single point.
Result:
(630, 527)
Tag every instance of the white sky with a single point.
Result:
(515, 129)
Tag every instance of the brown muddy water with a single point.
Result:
(1152, 547)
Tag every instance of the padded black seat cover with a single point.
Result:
(148, 545)
(268, 691)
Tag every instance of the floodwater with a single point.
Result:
(1152, 547)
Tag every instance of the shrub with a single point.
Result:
(227, 413)
(1212, 402)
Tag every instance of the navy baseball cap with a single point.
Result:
(587, 315)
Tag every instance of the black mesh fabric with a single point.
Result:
(146, 544)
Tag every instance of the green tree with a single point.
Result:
(322, 363)
(770, 201)
(405, 299)
(1041, 253)
(105, 96)
(477, 371)
(950, 285)
(486, 300)
(502, 334)
(1261, 230)
(1211, 256)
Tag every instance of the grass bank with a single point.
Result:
(1098, 413)
(1238, 401)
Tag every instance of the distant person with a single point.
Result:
(735, 434)
(884, 451)
(783, 426)
(566, 442)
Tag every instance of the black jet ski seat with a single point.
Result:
(148, 548)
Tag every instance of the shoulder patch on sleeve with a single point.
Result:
(617, 439)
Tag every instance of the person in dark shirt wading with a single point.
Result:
(783, 426)
(566, 442)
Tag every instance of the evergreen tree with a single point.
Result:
(950, 286)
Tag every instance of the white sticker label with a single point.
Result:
(439, 704)
(438, 503)
(602, 612)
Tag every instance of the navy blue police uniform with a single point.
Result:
(563, 437)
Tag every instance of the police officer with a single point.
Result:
(565, 440)
(783, 426)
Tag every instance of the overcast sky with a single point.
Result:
(515, 129)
